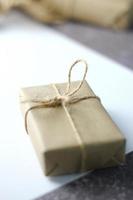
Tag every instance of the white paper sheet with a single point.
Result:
(33, 54)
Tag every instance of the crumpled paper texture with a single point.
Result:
(116, 14)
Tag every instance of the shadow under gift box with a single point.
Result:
(75, 137)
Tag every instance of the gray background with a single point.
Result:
(114, 183)
(117, 45)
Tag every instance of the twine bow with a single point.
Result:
(65, 99)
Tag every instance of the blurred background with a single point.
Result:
(33, 52)
(103, 25)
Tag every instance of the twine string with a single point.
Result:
(76, 133)
(69, 78)
(65, 99)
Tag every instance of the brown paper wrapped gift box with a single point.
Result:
(55, 132)
(107, 13)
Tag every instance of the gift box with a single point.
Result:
(70, 131)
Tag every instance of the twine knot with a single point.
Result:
(67, 98)
(62, 99)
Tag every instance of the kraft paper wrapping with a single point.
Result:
(39, 10)
(114, 13)
(53, 132)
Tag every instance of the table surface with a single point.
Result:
(117, 45)
(112, 184)
(29, 53)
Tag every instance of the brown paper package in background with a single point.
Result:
(54, 138)
(115, 14)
